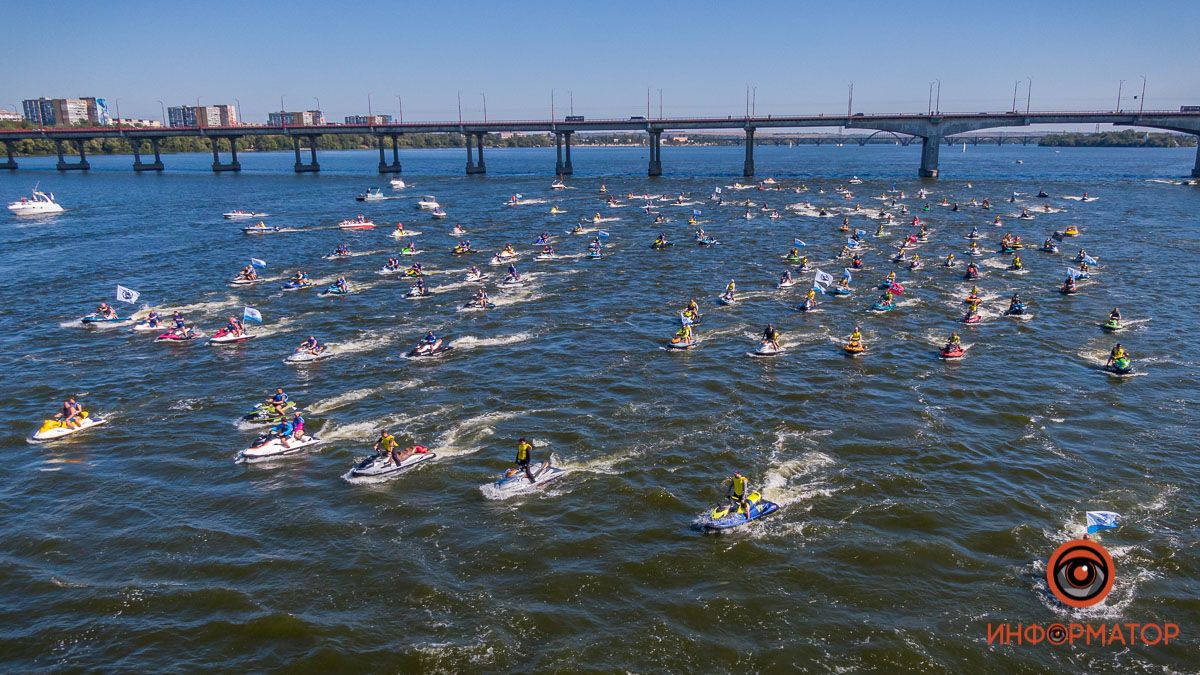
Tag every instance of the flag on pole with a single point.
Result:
(251, 314)
(127, 294)
(896, 288)
(821, 278)
(601, 233)
(717, 190)
(1072, 273)
(1102, 520)
(852, 243)
(799, 243)
(259, 263)
(846, 274)
(861, 233)
(1090, 260)
(696, 213)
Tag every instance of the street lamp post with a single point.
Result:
(238, 110)
(1142, 100)
(484, 96)
(1119, 88)
(929, 104)
(118, 115)
(1016, 85)
(460, 107)
(660, 109)
(850, 100)
(162, 106)
(937, 105)
(1028, 93)
(401, 102)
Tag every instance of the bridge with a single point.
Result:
(933, 130)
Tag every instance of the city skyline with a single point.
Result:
(606, 59)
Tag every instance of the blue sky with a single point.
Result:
(800, 56)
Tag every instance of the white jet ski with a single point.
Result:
(379, 466)
(53, 429)
(514, 480)
(271, 447)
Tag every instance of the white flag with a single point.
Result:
(127, 294)
(822, 278)
(1102, 520)
(259, 263)
(251, 314)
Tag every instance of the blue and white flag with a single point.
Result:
(259, 263)
(696, 213)
(799, 243)
(1089, 259)
(1073, 273)
(852, 243)
(861, 233)
(717, 190)
(601, 233)
(251, 314)
(1102, 520)
(822, 278)
(846, 274)
(127, 294)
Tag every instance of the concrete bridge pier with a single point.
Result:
(1195, 169)
(11, 164)
(138, 164)
(480, 167)
(558, 154)
(567, 169)
(930, 145)
(394, 167)
(655, 168)
(469, 143)
(748, 165)
(217, 165)
(63, 165)
(312, 166)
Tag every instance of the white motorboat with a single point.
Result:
(558, 185)
(357, 223)
(240, 214)
(439, 212)
(373, 194)
(428, 203)
(398, 184)
(39, 204)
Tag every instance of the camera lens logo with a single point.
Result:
(1080, 573)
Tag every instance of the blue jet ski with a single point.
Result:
(725, 518)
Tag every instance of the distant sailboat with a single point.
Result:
(964, 147)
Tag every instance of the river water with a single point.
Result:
(920, 498)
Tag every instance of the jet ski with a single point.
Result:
(242, 281)
(259, 230)
(177, 335)
(224, 337)
(1121, 366)
(514, 480)
(681, 343)
(325, 351)
(333, 290)
(426, 349)
(708, 241)
(512, 281)
(270, 446)
(415, 292)
(472, 304)
(1015, 310)
(658, 246)
(807, 306)
(144, 325)
(972, 318)
(297, 285)
(265, 414)
(854, 348)
(53, 429)
(787, 284)
(727, 299)
(1112, 325)
(726, 518)
(883, 307)
(96, 319)
(840, 290)
(766, 349)
(951, 352)
(379, 466)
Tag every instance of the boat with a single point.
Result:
(438, 213)
(357, 223)
(37, 204)
(240, 214)
(381, 466)
(373, 194)
(53, 429)
(224, 337)
(398, 184)
(259, 228)
(266, 414)
(854, 348)
(270, 446)
(726, 517)
(1112, 325)
(558, 185)
(514, 480)
(428, 203)
(681, 343)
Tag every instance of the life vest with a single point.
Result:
(523, 452)
(740, 484)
